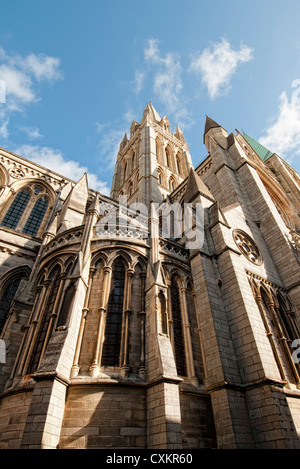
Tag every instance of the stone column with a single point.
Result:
(125, 328)
(142, 368)
(94, 368)
(37, 311)
(187, 339)
(43, 424)
(85, 310)
(53, 316)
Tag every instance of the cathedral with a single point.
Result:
(166, 316)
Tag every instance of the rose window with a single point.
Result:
(247, 246)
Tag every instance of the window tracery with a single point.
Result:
(27, 210)
(247, 246)
(6, 300)
(178, 338)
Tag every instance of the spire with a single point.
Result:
(124, 141)
(210, 124)
(196, 186)
(151, 112)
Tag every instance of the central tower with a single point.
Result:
(152, 162)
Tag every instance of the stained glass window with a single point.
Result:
(111, 346)
(36, 217)
(16, 209)
(7, 299)
(36, 355)
(179, 351)
(33, 204)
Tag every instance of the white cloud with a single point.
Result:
(109, 143)
(167, 81)
(20, 76)
(167, 77)
(32, 132)
(53, 159)
(218, 65)
(4, 121)
(139, 78)
(42, 67)
(18, 87)
(283, 134)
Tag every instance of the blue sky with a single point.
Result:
(74, 74)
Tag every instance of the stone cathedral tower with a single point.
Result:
(165, 316)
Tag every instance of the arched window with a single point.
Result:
(163, 313)
(113, 328)
(167, 158)
(125, 172)
(36, 217)
(178, 164)
(66, 305)
(130, 189)
(276, 337)
(27, 210)
(40, 344)
(16, 209)
(178, 339)
(159, 175)
(171, 184)
(6, 300)
(133, 162)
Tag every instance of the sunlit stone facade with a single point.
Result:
(165, 316)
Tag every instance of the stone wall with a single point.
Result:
(100, 416)
(13, 411)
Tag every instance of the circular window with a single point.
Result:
(247, 246)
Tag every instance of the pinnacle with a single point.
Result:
(209, 124)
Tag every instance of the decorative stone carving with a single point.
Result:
(295, 241)
(247, 246)
(16, 173)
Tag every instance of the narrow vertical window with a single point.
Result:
(36, 217)
(7, 299)
(66, 305)
(39, 344)
(178, 165)
(113, 328)
(167, 158)
(179, 351)
(16, 210)
(163, 313)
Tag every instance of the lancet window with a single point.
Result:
(46, 320)
(27, 210)
(6, 300)
(280, 326)
(178, 337)
(113, 328)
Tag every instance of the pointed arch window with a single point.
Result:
(16, 209)
(167, 157)
(43, 332)
(159, 175)
(125, 172)
(178, 338)
(36, 216)
(113, 327)
(171, 184)
(27, 210)
(163, 313)
(178, 164)
(6, 300)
